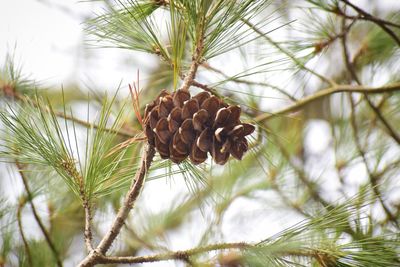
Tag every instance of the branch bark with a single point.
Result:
(176, 255)
(196, 61)
(88, 222)
(130, 199)
(185, 255)
(22, 234)
(326, 92)
(381, 23)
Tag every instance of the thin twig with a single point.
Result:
(243, 81)
(346, 54)
(196, 61)
(326, 92)
(381, 23)
(382, 119)
(350, 67)
(321, 45)
(204, 87)
(22, 234)
(130, 199)
(296, 207)
(373, 18)
(88, 222)
(288, 53)
(120, 132)
(36, 216)
(311, 186)
(70, 168)
(133, 235)
(372, 178)
(335, 146)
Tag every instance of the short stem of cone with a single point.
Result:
(196, 61)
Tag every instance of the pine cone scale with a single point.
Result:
(200, 119)
(204, 141)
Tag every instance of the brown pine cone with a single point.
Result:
(181, 126)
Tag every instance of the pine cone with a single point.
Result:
(181, 126)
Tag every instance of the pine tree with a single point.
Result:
(334, 63)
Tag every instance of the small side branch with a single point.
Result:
(390, 130)
(350, 67)
(239, 81)
(88, 223)
(70, 168)
(130, 199)
(37, 218)
(381, 23)
(120, 132)
(22, 234)
(204, 87)
(326, 92)
(287, 53)
(196, 61)
(373, 179)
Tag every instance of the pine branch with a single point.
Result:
(130, 199)
(323, 257)
(196, 61)
(323, 44)
(24, 98)
(88, 235)
(46, 235)
(176, 255)
(394, 87)
(381, 23)
(308, 183)
(372, 178)
(120, 132)
(22, 234)
(204, 87)
(242, 81)
(289, 54)
(70, 168)
(390, 130)
(352, 71)
(296, 207)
